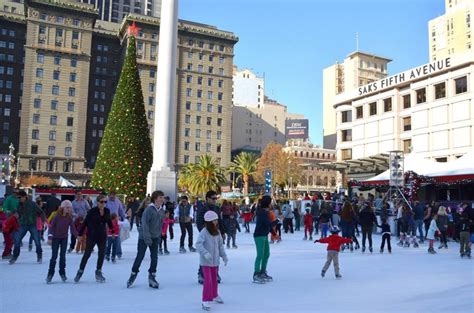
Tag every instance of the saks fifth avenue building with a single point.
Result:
(427, 110)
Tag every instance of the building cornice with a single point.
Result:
(70, 6)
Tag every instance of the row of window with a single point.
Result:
(35, 134)
(210, 81)
(8, 84)
(199, 107)
(187, 133)
(8, 32)
(210, 57)
(7, 57)
(37, 103)
(53, 120)
(200, 69)
(5, 98)
(50, 165)
(316, 155)
(201, 44)
(56, 74)
(8, 71)
(197, 147)
(55, 90)
(60, 19)
(197, 159)
(51, 150)
(5, 44)
(210, 94)
(57, 59)
(187, 120)
(95, 132)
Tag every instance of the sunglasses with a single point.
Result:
(102, 201)
(214, 198)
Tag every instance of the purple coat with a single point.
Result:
(59, 227)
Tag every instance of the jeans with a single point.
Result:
(210, 285)
(247, 227)
(419, 226)
(288, 225)
(112, 245)
(297, 222)
(19, 237)
(367, 233)
(163, 242)
(186, 227)
(90, 243)
(324, 230)
(386, 238)
(171, 231)
(263, 253)
(73, 242)
(58, 244)
(231, 236)
(316, 224)
(141, 249)
(137, 220)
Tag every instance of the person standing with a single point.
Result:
(442, 222)
(334, 246)
(210, 205)
(11, 203)
(96, 222)
(132, 206)
(367, 220)
(262, 229)
(116, 206)
(427, 217)
(419, 215)
(57, 238)
(288, 218)
(28, 211)
(185, 214)
(80, 207)
(211, 248)
(170, 207)
(315, 211)
(149, 235)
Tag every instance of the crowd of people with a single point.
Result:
(105, 222)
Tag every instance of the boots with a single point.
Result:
(131, 280)
(152, 281)
(99, 277)
(78, 276)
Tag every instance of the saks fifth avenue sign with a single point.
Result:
(415, 73)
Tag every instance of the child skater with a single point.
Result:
(112, 239)
(80, 243)
(211, 248)
(432, 232)
(335, 241)
(386, 235)
(10, 226)
(57, 238)
(324, 221)
(308, 225)
(164, 228)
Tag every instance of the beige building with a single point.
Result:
(451, 32)
(359, 68)
(315, 177)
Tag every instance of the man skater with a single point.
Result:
(149, 235)
(185, 213)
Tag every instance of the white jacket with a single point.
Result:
(210, 248)
(432, 230)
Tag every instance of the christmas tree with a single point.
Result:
(125, 154)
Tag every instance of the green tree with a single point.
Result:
(203, 176)
(245, 164)
(125, 154)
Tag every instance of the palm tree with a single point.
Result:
(203, 176)
(245, 164)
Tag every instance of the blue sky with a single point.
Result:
(292, 41)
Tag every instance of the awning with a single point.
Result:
(376, 163)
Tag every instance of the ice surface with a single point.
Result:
(408, 280)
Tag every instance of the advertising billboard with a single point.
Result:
(296, 129)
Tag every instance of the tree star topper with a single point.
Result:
(133, 30)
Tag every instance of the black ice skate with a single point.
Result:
(63, 277)
(99, 277)
(131, 280)
(192, 249)
(338, 276)
(182, 250)
(257, 279)
(49, 278)
(152, 281)
(78, 276)
(323, 273)
(265, 276)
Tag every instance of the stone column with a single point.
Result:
(162, 175)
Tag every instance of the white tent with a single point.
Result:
(413, 162)
(63, 182)
(460, 168)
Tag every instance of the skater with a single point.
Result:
(324, 222)
(308, 224)
(112, 239)
(408, 228)
(80, 207)
(432, 231)
(167, 221)
(347, 225)
(315, 209)
(367, 220)
(464, 226)
(386, 235)
(96, 222)
(277, 216)
(11, 203)
(116, 206)
(210, 205)
(231, 229)
(442, 223)
(57, 238)
(80, 244)
(132, 208)
(211, 248)
(170, 207)
(288, 218)
(296, 212)
(27, 213)
(149, 234)
(10, 226)
(185, 213)
(247, 215)
(334, 245)
(263, 227)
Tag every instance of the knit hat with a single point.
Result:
(210, 216)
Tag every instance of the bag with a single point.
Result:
(124, 230)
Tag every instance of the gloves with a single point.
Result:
(208, 257)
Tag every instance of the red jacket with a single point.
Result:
(308, 220)
(247, 216)
(115, 230)
(10, 225)
(335, 242)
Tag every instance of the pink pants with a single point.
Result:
(209, 290)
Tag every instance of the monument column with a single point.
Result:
(162, 175)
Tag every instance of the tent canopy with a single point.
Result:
(462, 168)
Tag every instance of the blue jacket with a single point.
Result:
(264, 224)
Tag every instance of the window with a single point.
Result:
(219, 109)
(219, 122)
(372, 108)
(209, 108)
(36, 118)
(33, 165)
(6, 125)
(189, 79)
(54, 104)
(35, 134)
(198, 120)
(73, 63)
(211, 70)
(52, 135)
(440, 90)
(187, 119)
(37, 103)
(40, 58)
(387, 105)
(209, 95)
(53, 120)
(76, 22)
(359, 112)
(219, 135)
(50, 166)
(209, 121)
(461, 85)
(151, 115)
(200, 68)
(346, 154)
(186, 145)
(219, 148)
(208, 147)
(199, 107)
(189, 92)
(152, 73)
(69, 136)
(197, 146)
(421, 96)
(221, 60)
(70, 106)
(406, 101)
(51, 150)
(190, 55)
(57, 60)
(38, 88)
(151, 100)
(39, 72)
(347, 135)
(209, 82)
(72, 77)
(188, 105)
(208, 135)
(407, 123)
(56, 75)
(211, 58)
(198, 133)
(346, 116)
(151, 87)
(199, 93)
(199, 80)
(55, 90)
(201, 44)
(190, 67)
(34, 149)
(70, 121)
(66, 164)
(221, 71)
(441, 160)
(186, 159)
(187, 132)
(190, 42)
(220, 84)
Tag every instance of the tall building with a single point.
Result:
(72, 64)
(359, 68)
(249, 89)
(451, 32)
(116, 10)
